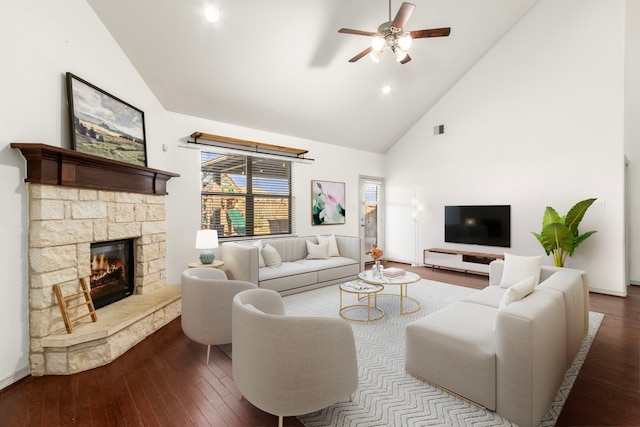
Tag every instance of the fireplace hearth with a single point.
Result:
(112, 275)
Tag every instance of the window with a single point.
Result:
(245, 196)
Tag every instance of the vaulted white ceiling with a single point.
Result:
(282, 66)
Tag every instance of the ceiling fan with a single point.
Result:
(392, 34)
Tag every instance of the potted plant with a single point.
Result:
(559, 235)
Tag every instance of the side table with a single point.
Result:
(362, 290)
(214, 264)
(401, 281)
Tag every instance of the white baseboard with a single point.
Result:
(608, 292)
(16, 376)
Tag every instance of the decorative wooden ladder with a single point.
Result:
(64, 308)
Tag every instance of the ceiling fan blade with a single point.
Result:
(434, 32)
(361, 54)
(356, 32)
(406, 59)
(405, 11)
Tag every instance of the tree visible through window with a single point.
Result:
(245, 196)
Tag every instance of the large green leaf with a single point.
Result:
(556, 236)
(577, 239)
(576, 213)
(539, 237)
(550, 216)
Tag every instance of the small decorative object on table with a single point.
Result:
(393, 272)
(376, 253)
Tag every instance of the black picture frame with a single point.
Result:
(103, 125)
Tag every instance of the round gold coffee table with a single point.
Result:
(362, 290)
(402, 281)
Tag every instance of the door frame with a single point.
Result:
(362, 179)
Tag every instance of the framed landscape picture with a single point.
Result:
(327, 202)
(103, 125)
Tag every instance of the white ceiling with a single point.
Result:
(282, 66)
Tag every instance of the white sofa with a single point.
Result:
(296, 272)
(509, 359)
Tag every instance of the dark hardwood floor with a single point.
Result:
(163, 381)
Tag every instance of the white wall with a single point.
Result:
(632, 91)
(40, 40)
(331, 163)
(538, 121)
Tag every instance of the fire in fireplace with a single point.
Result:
(112, 276)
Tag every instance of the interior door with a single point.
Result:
(371, 213)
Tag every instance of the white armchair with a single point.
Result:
(206, 305)
(290, 365)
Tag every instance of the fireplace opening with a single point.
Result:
(112, 276)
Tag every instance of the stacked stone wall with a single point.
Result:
(63, 222)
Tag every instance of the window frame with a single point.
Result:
(211, 200)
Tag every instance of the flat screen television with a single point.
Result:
(488, 225)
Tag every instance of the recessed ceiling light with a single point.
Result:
(386, 89)
(211, 14)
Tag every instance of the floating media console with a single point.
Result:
(469, 262)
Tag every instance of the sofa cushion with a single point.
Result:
(454, 348)
(317, 251)
(333, 244)
(285, 269)
(517, 268)
(489, 296)
(290, 275)
(332, 268)
(518, 291)
(290, 249)
(271, 256)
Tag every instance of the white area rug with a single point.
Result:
(387, 395)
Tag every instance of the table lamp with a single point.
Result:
(207, 240)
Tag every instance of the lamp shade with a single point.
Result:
(375, 55)
(399, 53)
(378, 42)
(207, 239)
(404, 41)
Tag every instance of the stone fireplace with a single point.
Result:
(68, 212)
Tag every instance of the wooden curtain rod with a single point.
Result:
(251, 146)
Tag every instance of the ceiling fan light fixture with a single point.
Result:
(391, 33)
(399, 53)
(378, 42)
(404, 41)
(376, 55)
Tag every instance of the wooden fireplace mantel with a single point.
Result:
(51, 165)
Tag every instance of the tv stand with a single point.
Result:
(451, 259)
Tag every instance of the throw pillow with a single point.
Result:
(517, 268)
(333, 245)
(259, 245)
(319, 251)
(518, 291)
(271, 256)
